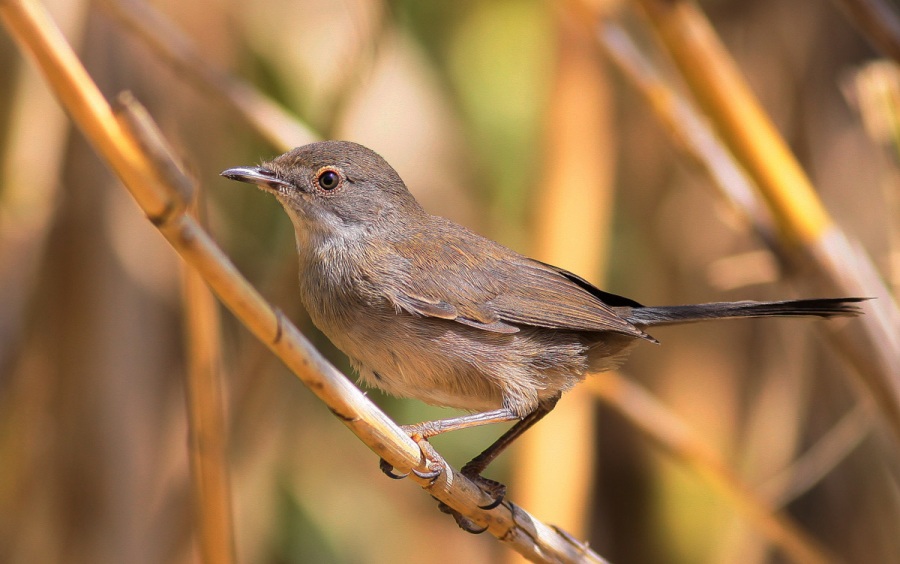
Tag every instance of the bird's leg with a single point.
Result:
(421, 432)
(477, 465)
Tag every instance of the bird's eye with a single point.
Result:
(329, 180)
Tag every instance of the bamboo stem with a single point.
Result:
(207, 433)
(878, 22)
(37, 36)
(747, 130)
(670, 432)
(807, 237)
(269, 119)
(205, 407)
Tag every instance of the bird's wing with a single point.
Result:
(499, 290)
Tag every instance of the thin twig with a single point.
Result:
(818, 461)
(270, 120)
(669, 431)
(207, 433)
(805, 232)
(206, 420)
(29, 174)
(35, 34)
(721, 91)
(701, 144)
(578, 135)
(683, 123)
(875, 88)
(878, 21)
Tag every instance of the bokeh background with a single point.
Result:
(506, 117)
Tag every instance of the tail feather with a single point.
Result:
(665, 315)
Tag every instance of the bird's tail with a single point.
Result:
(666, 315)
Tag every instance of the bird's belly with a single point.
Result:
(441, 393)
(417, 362)
(445, 363)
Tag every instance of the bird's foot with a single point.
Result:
(494, 489)
(431, 474)
(388, 470)
(462, 521)
(434, 465)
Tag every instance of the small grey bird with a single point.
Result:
(425, 308)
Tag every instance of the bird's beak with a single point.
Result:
(262, 177)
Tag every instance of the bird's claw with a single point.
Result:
(495, 490)
(430, 475)
(388, 470)
(433, 466)
(492, 488)
(463, 522)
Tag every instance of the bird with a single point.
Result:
(425, 308)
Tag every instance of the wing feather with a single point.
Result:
(498, 290)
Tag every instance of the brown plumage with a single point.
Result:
(427, 309)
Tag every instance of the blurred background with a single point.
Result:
(506, 117)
